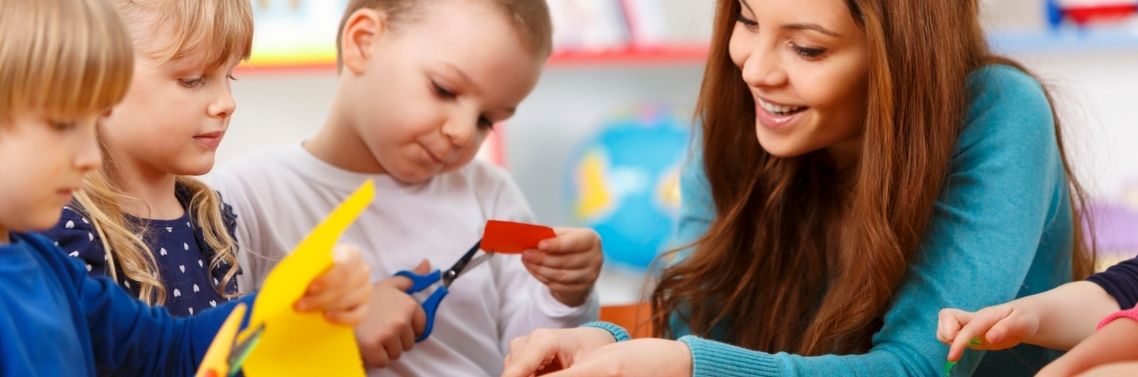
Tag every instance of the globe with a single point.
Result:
(623, 182)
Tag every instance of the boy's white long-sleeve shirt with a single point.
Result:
(279, 196)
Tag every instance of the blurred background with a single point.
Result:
(600, 141)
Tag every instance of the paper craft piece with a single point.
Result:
(306, 344)
(511, 237)
(216, 363)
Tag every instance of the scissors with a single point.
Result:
(419, 283)
(229, 349)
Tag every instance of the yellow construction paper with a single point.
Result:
(217, 356)
(306, 344)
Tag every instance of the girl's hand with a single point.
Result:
(568, 264)
(342, 292)
(545, 350)
(992, 328)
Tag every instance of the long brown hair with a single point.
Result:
(776, 270)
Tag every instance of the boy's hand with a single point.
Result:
(992, 328)
(393, 323)
(568, 264)
(341, 292)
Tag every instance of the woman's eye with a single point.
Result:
(749, 23)
(809, 52)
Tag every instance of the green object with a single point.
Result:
(242, 350)
(975, 342)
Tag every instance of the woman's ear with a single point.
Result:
(361, 32)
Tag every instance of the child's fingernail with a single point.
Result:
(301, 305)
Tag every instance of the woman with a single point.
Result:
(900, 168)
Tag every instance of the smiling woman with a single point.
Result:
(861, 165)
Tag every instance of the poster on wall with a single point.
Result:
(295, 33)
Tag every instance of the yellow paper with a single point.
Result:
(305, 344)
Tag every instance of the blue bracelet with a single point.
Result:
(617, 332)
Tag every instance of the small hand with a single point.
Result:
(341, 292)
(568, 264)
(391, 326)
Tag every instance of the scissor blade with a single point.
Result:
(461, 264)
(469, 266)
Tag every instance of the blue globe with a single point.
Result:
(624, 182)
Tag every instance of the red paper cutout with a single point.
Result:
(512, 238)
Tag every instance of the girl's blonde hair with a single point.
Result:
(66, 58)
(211, 32)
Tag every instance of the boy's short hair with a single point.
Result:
(530, 18)
(66, 58)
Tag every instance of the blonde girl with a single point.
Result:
(142, 218)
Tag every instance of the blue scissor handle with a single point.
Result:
(420, 282)
(431, 304)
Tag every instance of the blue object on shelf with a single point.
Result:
(1054, 14)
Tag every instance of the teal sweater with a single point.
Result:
(1001, 229)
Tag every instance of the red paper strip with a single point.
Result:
(511, 237)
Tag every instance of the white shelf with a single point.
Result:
(1066, 42)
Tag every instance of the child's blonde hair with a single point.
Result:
(66, 58)
(530, 18)
(214, 31)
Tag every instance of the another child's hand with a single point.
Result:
(341, 292)
(393, 323)
(568, 264)
(992, 328)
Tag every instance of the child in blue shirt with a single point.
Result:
(62, 63)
